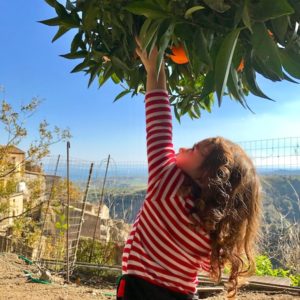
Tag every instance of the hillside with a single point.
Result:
(279, 196)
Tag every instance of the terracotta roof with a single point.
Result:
(13, 149)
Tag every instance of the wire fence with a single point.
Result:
(88, 206)
(280, 156)
(104, 198)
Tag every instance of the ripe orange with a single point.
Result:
(241, 66)
(179, 56)
(270, 33)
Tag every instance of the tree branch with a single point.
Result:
(23, 213)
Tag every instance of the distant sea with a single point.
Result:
(81, 172)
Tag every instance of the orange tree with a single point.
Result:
(209, 46)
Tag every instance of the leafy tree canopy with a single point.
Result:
(227, 43)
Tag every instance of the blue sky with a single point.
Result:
(31, 67)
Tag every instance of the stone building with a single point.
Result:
(16, 157)
(12, 204)
(14, 208)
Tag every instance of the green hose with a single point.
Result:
(35, 280)
(109, 294)
(28, 261)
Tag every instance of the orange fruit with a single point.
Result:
(241, 66)
(270, 33)
(179, 55)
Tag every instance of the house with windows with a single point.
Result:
(12, 189)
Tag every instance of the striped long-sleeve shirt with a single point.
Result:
(161, 247)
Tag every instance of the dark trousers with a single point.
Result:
(131, 287)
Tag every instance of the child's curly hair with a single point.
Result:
(227, 197)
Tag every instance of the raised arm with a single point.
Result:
(160, 150)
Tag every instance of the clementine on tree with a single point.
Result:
(270, 33)
(179, 55)
(241, 66)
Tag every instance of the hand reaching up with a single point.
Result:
(148, 62)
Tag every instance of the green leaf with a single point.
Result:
(132, 79)
(69, 5)
(280, 27)
(75, 55)
(94, 71)
(115, 78)
(266, 49)
(207, 102)
(217, 5)
(270, 9)
(296, 6)
(237, 17)
(89, 16)
(61, 21)
(51, 2)
(264, 69)
(117, 23)
(62, 218)
(144, 29)
(64, 226)
(233, 86)
(188, 49)
(98, 55)
(119, 63)
(149, 35)
(163, 27)
(249, 78)
(140, 88)
(164, 4)
(70, 22)
(207, 90)
(223, 62)
(120, 95)
(201, 47)
(60, 9)
(163, 44)
(191, 113)
(58, 225)
(106, 74)
(52, 22)
(61, 31)
(177, 115)
(120, 73)
(152, 44)
(286, 77)
(291, 62)
(245, 15)
(196, 109)
(148, 10)
(77, 42)
(81, 66)
(191, 10)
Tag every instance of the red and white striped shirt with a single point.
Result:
(161, 247)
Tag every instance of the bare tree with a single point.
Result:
(13, 122)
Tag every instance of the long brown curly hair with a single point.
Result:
(227, 197)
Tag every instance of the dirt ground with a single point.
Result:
(14, 285)
(256, 296)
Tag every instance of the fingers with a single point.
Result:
(138, 41)
(138, 48)
(138, 51)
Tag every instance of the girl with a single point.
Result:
(202, 209)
